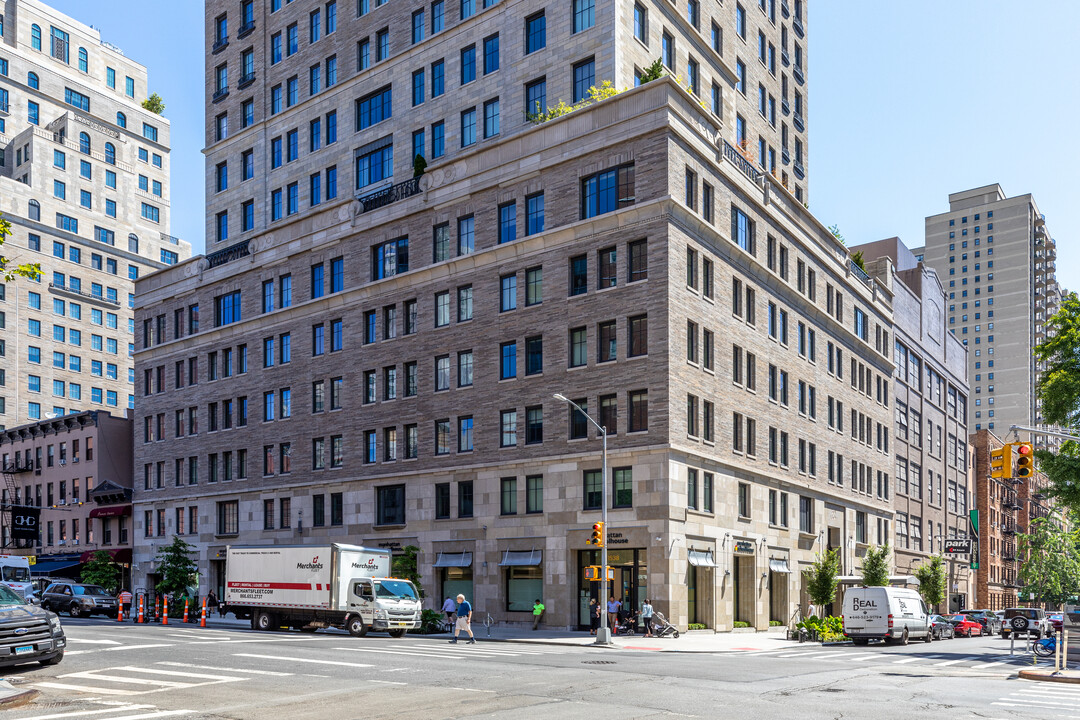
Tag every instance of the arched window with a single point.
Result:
(31, 80)
(34, 210)
(84, 143)
(110, 153)
(133, 243)
(121, 120)
(83, 60)
(35, 37)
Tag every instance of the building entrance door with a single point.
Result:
(629, 585)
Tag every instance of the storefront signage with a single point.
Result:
(393, 545)
(958, 546)
(744, 547)
(617, 539)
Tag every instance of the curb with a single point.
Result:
(1047, 676)
(15, 698)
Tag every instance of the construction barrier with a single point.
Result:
(140, 618)
(185, 609)
(165, 615)
(202, 622)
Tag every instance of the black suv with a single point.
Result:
(79, 600)
(28, 633)
(1032, 621)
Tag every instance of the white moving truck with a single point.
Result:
(15, 574)
(892, 614)
(319, 586)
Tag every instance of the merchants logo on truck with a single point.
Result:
(313, 566)
(369, 564)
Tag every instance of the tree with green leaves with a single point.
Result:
(405, 566)
(101, 570)
(31, 271)
(932, 581)
(857, 258)
(154, 104)
(1050, 569)
(1059, 391)
(835, 230)
(875, 566)
(822, 577)
(178, 570)
(653, 72)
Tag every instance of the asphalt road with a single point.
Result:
(127, 672)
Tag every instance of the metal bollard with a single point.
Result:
(1012, 644)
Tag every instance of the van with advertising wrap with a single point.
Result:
(892, 614)
(319, 586)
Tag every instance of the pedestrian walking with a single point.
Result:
(594, 615)
(464, 619)
(213, 604)
(124, 597)
(613, 606)
(646, 617)
(449, 607)
(538, 613)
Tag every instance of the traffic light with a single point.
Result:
(597, 537)
(1001, 462)
(1025, 461)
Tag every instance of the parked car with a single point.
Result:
(1030, 621)
(891, 614)
(1057, 621)
(941, 628)
(987, 618)
(965, 626)
(28, 633)
(79, 600)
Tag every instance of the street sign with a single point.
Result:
(958, 546)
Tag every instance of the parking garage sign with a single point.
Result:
(958, 546)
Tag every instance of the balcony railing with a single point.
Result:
(785, 156)
(80, 293)
(1008, 528)
(785, 106)
(386, 196)
(165, 237)
(233, 252)
(785, 8)
(745, 166)
(219, 45)
(785, 58)
(797, 72)
(796, 24)
(13, 468)
(799, 169)
(858, 272)
(245, 80)
(220, 95)
(797, 121)
(245, 30)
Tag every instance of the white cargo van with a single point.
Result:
(891, 614)
(15, 573)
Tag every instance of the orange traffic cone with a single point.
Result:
(165, 615)
(185, 609)
(120, 613)
(140, 618)
(157, 609)
(202, 622)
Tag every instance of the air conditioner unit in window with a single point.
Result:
(62, 502)
(74, 460)
(62, 542)
(75, 541)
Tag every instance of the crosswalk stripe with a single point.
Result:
(1048, 703)
(954, 662)
(138, 647)
(158, 714)
(177, 673)
(906, 660)
(981, 666)
(94, 675)
(480, 648)
(240, 670)
(1048, 693)
(253, 640)
(818, 656)
(405, 652)
(84, 713)
(83, 688)
(306, 660)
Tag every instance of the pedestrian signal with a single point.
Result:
(597, 537)
(1025, 461)
(1001, 462)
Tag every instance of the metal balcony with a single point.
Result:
(245, 80)
(220, 95)
(797, 73)
(785, 156)
(233, 252)
(785, 8)
(785, 58)
(800, 171)
(1008, 529)
(245, 30)
(797, 121)
(785, 106)
(797, 26)
(219, 45)
(386, 196)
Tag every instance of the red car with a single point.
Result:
(1057, 620)
(965, 626)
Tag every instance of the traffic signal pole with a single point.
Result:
(603, 635)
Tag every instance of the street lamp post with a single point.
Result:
(603, 635)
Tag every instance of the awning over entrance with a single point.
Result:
(51, 566)
(779, 565)
(701, 558)
(458, 560)
(120, 555)
(114, 511)
(521, 558)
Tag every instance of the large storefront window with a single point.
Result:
(524, 585)
(457, 581)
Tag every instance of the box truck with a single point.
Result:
(15, 573)
(319, 586)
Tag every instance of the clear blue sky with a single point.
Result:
(908, 102)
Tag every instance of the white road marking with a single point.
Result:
(295, 659)
(980, 666)
(94, 642)
(176, 673)
(253, 640)
(906, 660)
(954, 662)
(158, 714)
(404, 652)
(93, 675)
(860, 656)
(210, 667)
(82, 713)
(816, 656)
(81, 688)
(387, 682)
(139, 647)
(469, 689)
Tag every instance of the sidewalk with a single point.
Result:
(1048, 675)
(12, 697)
(696, 641)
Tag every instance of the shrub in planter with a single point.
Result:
(775, 623)
(741, 624)
(695, 626)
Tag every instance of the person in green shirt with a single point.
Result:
(538, 612)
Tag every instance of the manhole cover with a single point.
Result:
(597, 662)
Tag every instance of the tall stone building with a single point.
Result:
(378, 367)
(997, 259)
(84, 182)
(934, 471)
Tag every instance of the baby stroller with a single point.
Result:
(661, 627)
(626, 625)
